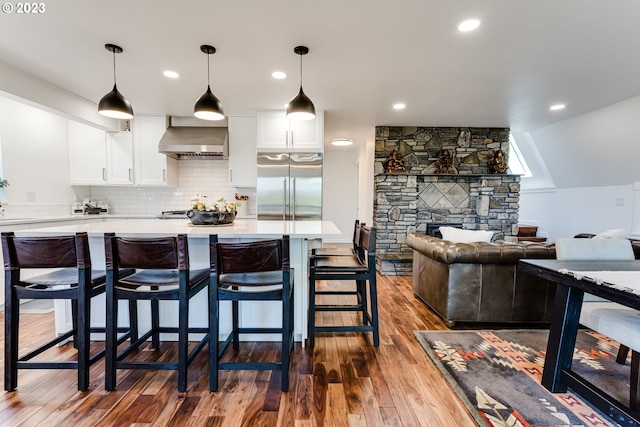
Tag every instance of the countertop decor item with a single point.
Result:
(198, 217)
(4, 183)
(205, 212)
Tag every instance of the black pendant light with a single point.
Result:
(301, 107)
(114, 104)
(208, 107)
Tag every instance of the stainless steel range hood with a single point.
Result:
(195, 142)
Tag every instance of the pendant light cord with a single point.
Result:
(208, 71)
(300, 71)
(114, 67)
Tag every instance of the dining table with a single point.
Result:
(617, 281)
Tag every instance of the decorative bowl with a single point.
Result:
(198, 217)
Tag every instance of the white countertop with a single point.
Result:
(240, 228)
(17, 220)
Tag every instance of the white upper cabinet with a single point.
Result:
(87, 154)
(119, 158)
(242, 151)
(97, 157)
(151, 167)
(276, 132)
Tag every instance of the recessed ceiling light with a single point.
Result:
(468, 25)
(342, 141)
(399, 106)
(279, 75)
(557, 107)
(171, 74)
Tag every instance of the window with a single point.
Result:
(517, 165)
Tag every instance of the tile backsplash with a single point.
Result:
(206, 177)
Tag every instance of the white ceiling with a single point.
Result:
(364, 56)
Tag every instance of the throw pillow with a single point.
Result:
(617, 233)
(457, 235)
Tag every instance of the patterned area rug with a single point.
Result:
(497, 375)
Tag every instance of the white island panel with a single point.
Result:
(301, 233)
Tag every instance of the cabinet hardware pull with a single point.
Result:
(164, 175)
(130, 174)
(230, 175)
(104, 174)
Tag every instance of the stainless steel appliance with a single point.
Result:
(172, 215)
(289, 186)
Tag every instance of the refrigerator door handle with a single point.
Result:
(284, 199)
(293, 199)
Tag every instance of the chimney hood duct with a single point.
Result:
(195, 142)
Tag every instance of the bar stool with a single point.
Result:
(342, 251)
(163, 274)
(72, 279)
(250, 271)
(362, 269)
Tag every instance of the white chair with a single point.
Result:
(614, 320)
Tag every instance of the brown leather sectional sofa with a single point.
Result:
(478, 282)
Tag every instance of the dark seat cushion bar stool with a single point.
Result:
(360, 268)
(162, 273)
(72, 279)
(342, 251)
(250, 271)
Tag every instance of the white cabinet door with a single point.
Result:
(119, 158)
(151, 167)
(307, 134)
(242, 151)
(87, 155)
(276, 132)
(273, 130)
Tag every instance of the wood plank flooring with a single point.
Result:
(343, 381)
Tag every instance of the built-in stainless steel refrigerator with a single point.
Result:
(289, 186)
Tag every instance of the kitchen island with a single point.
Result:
(303, 236)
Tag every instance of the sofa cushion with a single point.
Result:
(618, 233)
(458, 235)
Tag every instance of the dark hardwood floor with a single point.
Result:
(343, 381)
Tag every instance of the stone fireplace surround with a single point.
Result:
(411, 201)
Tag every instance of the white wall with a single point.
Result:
(366, 157)
(339, 190)
(567, 212)
(599, 148)
(35, 157)
(29, 89)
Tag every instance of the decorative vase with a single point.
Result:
(198, 217)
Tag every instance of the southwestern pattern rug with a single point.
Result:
(497, 375)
